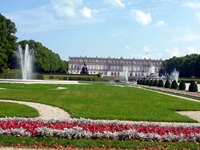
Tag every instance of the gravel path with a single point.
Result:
(45, 111)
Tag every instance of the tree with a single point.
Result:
(160, 83)
(182, 85)
(45, 61)
(151, 83)
(193, 87)
(155, 83)
(7, 42)
(174, 85)
(167, 84)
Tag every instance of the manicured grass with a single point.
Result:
(16, 110)
(103, 101)
(58, 143)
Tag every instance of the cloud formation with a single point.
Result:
(160, 23)
(141, 17)
(187, 38)
(173, 52)
(192, 5)
(115, 3)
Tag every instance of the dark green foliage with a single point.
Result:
(193, 87)
(160, 83)
(7, 42)
(182, 85)
(151, 83)
(46, 61)
(138, 81)
(167, 84)
(174, 85)
(188, 65)
(147, 82)
(143, 82)
(155, 83)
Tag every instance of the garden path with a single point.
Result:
(45, 111)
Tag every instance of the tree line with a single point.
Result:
(188, 66)
(45, 60)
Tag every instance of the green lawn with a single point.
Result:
(102, 101)
(16, 110)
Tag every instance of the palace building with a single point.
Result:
(115, 66)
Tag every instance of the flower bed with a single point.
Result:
(195, 94)
(90, 129)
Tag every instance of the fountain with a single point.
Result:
(26, 61)
(174, 75)
(151, 70)
(126, 74)
(151, 73)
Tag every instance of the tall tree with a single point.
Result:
(7, 42)
(45, 61)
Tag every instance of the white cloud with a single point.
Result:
(87, 12)
(55, 15)
(173, 52)
(115, 3)
(192, 5)
(65, 8)
(187, 38)
(192, 50)
(160, 23)
(141, 17)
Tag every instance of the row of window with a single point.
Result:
(130, 74)
(117, 68)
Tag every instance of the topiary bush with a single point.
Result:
(155, 83)
(160, 83)
(167, 84)
(151, 83)
(147, 82)
(193, 87)
(182, 85)
(143, 82)
(174, 85)
(138, 81)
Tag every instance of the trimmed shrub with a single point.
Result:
(143, 82)
(138, 81)
(182, 85)
(155, 83)
(151, 83)
(167, 84)
(160, 83)
(193, 87)
(147, 82)
(174, 85)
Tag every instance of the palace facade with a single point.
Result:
(115, 66)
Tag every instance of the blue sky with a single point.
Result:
(157, 29)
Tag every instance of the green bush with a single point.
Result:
(155, 83)
(138, 81)
(151, 83)
(160, 83)
(39, 76)
(193, 87)
(147, 82)
(174, 85)
(143, 82)
(182, 85)
(167, 84)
